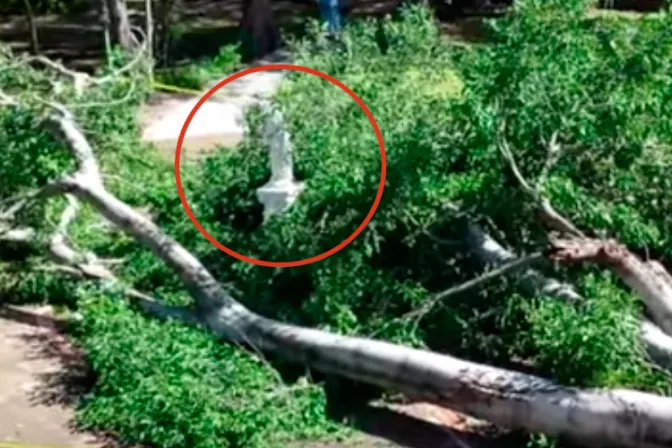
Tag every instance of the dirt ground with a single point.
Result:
(39, 376)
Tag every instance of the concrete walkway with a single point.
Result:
(218, 122)
(40, 380)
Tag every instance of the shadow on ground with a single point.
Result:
(67, 384)
(42, 376)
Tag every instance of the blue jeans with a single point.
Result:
(330, 11)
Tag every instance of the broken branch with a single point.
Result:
(653, 287)
(505, 269)
(548, 214)
(489, 251)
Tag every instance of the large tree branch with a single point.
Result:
(87, 185)
(650, 279)
(651, 282)
(658, 344)
(22, 235)
(504, 397)
(619, 417)
(490, 252)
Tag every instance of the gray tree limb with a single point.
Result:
(650, 279)
(653, 284)
(490, 252)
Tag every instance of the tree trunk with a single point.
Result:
(164, 20)
(119, 23)
(260, 32)
(30, 16)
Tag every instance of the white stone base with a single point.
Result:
(276, 197)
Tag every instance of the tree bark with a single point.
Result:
(164, 19)
(609, 417)
(119, 23)
(648, 279)
(489, 251)
(30, 17)
(260, 32)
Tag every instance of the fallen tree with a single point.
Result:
(617, 416)
(507, 398)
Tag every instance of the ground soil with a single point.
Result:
(41, 378)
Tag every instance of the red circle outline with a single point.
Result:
(281, 264)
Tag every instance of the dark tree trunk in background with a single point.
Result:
(30, 17)
(259, 29)
(634, 5)
(164, 19)
(119, 24)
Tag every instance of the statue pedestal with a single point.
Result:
(282, 190)
(278, 196)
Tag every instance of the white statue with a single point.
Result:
(280, 192)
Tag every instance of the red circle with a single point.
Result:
(282, 264)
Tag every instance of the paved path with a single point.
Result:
(37, 387)
(218, 122)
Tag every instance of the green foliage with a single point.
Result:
(168, 385)
(161, 384)
(595, 343)
(337, 155)
(441, 146)
(195, 75)
(33, 157)
(602, 85)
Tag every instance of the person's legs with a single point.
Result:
(335, 16)
(331, 13)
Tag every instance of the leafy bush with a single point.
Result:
(593, 344)
(195, 75)
(178, 386)
(442, 147)
(33, 157)
(172, 386)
